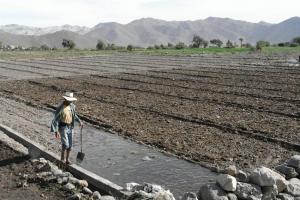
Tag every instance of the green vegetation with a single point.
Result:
(129, 47)
(192, 51)
(279, 50)
(56, 53)
(100, 45)
(68, 44)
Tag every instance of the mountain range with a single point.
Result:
(148, 31)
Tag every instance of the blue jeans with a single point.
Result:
(66, 136)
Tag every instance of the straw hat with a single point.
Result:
(69, 96)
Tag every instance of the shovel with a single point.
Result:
(80, 155)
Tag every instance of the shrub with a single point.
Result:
(216, 42)
(197, 41)
(293, 44)
(156, 46)
(111, 46)
(68, 44)
(229, 44)
(44, 47)
(180, 45)
(150, 47)
(296, 40)
(163, 46)
(100, 45)
(262, 43)
(129, 47)
(170, 45)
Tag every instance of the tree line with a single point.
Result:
(197, 42)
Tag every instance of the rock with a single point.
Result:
(34, 161)
(59, 181)
(189, 196)
(65, 179)
(211, 192)
(284, 196)
(289, 172)
(43, 168)
(293, 187)
(231, 170)
(149, 188)
(242, 176)
(164, 195)
(130, 186)
(44, 174)
(227, 182)
(294, 161)
(69, 187)
(43, 161)
(232, 196)
(73, 180)
(86, 190)
(107, 197)
(248, 191)
(83, 183)
(146, 158)
(264, 176)
(96, 195)
(269, 192)
(57, 172)
(74, 197)
(157, 188)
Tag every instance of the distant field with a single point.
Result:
(172, 52)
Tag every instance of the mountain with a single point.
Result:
(28, 30)
(149, 31)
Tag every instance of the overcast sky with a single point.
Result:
(91, 12)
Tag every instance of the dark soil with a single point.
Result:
(12, 181)
(199, 112)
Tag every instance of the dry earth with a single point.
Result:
(221, 110)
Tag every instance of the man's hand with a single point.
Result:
(81, 124)
(57, 135)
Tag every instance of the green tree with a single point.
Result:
(170, 45)
(156, 46)
(229, 44)
(180, 45)
(216, 42)
(111, 46)
(263, 43)
(44, 47)
(129, 47)
(197, 41)
(241, 40)
(100, 45)
(68, 44)
(296, 40)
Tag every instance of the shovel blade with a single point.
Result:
(80, 156)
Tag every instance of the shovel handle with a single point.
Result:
(81, 138)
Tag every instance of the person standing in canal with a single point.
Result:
(63, 124)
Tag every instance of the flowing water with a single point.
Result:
(122, 161)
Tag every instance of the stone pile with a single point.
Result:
(262, 183)
(148, 191)
(77, 189)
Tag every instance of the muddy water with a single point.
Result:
(123, 161)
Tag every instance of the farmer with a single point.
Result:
(63, 124)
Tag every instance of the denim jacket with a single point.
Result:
(57, 117)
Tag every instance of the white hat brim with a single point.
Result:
(69, 98)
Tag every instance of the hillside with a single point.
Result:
(149, 31)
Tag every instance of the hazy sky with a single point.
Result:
(91, 12)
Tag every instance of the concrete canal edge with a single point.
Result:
(36, 150)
